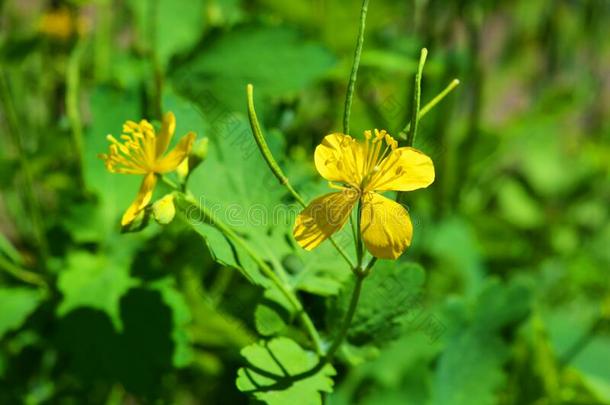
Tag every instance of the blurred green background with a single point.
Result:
(514, 235)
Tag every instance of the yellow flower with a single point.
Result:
(61, 24)
(364, 169)
(142, 152)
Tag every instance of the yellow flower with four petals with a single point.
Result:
(364, 169)
(142, 152)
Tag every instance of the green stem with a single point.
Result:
(274, 167)
(369, 266)
(359, 249)
(267, 271)
(416, 97)
(72, 108)
(262, 146)
(22, 274)
(157, 70)
(354, 74)
(220, 284)
(349, 316)
(170, 183)
(429, 106)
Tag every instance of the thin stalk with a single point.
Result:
(347, 321)
(102, 38)
(72, 108)
(21, 274)
(264, 148)
(359, 249)
(267, 271)
(220, 284)
(354, 74)
(369, 266)
(352, 225)
(429, 106)
(417, 97)
(274, 167)
(157, 69)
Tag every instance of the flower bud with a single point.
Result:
(198, 154)
(164, 209)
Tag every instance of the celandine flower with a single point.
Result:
(364, 169)
(142, 152)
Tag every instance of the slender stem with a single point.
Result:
(262, 146)
(416, 97)
(220, 284)
(269, 273)
(157, 69)
(22, 274)
(347, 321)
(354, 232)
(429, 106)
(72, 107)
(359, 249)
(352, 79)
(170, 183)
(102, 40)
(274, 167)
(369, 266)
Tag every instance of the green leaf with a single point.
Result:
(567, 325)
(470, 370)
(177, 25)
(17, 304)
(281, 372)
(181, 318)
(322, 271)
(249, 204)
(95, 281)
(390, 297)
(253, 206)
(278, 61)
(454, 244)
(518, 207)
(273, 313)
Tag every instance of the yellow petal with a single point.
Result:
(142, 199)
(171, 161)
(404, 169)
(340, 158)
(323, 216)
(165, 136)
(385, 225)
